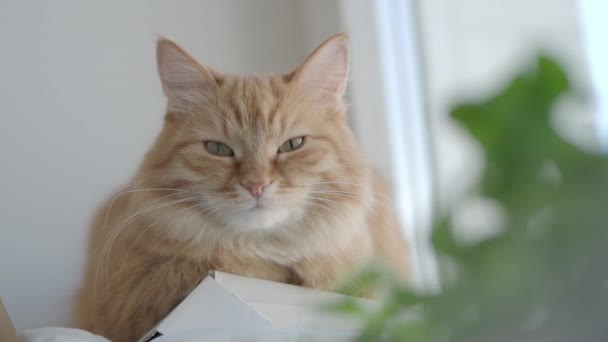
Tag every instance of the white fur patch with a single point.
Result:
(257, 219)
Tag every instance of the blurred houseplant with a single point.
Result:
(544, 278)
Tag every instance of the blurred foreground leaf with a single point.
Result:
(545, 277)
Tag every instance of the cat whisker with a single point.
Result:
(339, 193)
(388, 198)
(137, 212)
(382, 199)
(151, 226)
(101, 257)
(118, 195)
(374, 219)
(310, 201)
(107, 250)
(125, 223)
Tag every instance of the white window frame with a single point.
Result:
(594, 27)
(390, 118)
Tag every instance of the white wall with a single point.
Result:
(81, 102)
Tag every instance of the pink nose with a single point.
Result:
(256, 189)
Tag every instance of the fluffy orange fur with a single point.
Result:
(310, 216)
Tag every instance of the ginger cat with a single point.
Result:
(257, 176)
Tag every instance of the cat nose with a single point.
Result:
(256, 189)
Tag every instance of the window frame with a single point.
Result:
(594, 28)
(390, 117)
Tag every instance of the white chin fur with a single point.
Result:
(257, 219)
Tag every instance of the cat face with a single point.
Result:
(259, 153)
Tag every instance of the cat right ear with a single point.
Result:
(325, 72)
(183, 78)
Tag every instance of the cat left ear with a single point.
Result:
(325, 72)
(182, 77)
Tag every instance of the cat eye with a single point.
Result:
(291, 145)
(218, 149)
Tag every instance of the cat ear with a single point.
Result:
(182, 77)
(325, 72)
